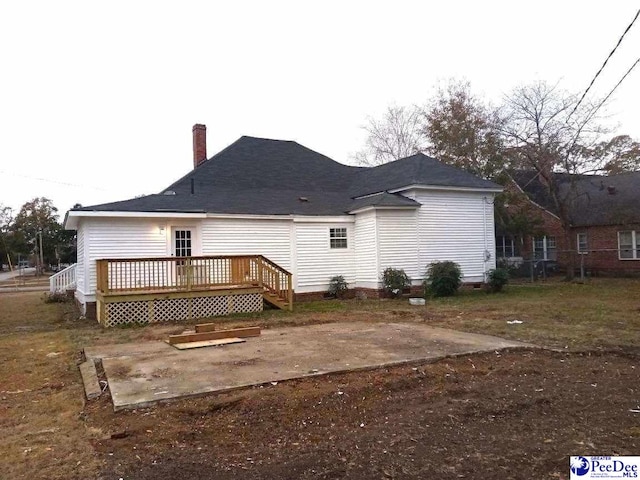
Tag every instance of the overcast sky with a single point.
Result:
(97, 99)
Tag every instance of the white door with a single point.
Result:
(182, 242)
(182, 246)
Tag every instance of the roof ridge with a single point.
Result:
(263, 138)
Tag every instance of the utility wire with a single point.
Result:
(595, 110)
(48, 180)
(614, 88)
(603, 65)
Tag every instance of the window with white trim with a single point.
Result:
(629, 245)
(506, 246)
(544, 248)
(582, 244)
(338, 237)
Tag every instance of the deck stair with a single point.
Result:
(134, 290)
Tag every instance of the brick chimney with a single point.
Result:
(199, 144)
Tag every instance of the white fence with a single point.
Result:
(63, 280)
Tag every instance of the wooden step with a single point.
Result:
(215, 335)
(276, 301)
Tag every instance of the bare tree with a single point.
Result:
(398, 134)
(543, 131)
(463, 131)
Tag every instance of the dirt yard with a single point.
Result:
(489, 416)
(508, 415)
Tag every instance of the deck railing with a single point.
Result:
(63, 280)
(141, 275)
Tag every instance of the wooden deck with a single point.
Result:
(184, 286)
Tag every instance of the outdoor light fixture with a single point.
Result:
(161, 229)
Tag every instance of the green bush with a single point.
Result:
(497, 278)
(443, 279)
(337, 286)
(395, 280)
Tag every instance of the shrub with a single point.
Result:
(497, 278)
(395, 280)
(57, 297)
(337, 286)
(443, 278)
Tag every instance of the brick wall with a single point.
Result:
(602, 241)
(603, 257)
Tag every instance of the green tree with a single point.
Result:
(456, 127)
(617, 155)
(37, 217)
(6, 219)
(464, 132)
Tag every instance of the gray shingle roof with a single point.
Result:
(594, 199)
(383, 199)
(418, 169)
(261, 176)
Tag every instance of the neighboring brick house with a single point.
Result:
(605, 222)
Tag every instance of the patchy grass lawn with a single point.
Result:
(45, 431)
(41, 399)
(604, 313)
(599, 314)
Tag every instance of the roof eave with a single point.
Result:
(383, 207)
(72, 217)
(452, 188)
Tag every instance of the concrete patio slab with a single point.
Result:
(142, 374)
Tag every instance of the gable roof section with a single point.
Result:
(258, 176)
(418, 169)
(594, 199)
(383, 199)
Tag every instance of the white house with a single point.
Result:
(313, 216)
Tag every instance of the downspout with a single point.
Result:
(486, 250)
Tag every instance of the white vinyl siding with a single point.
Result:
(316, 262)
(398, 241)
(456, 226)
(366, 251)
(81, 263)
(121, 238)
(271, 238)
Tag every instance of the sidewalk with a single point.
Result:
(12, 281)
(16, 273)
(8, 289)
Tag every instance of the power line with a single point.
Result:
(604, 64)
(48, 180)
(617, 85)
(594, 111)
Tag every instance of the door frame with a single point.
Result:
(196, 237)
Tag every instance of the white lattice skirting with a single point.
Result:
(172, 309)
